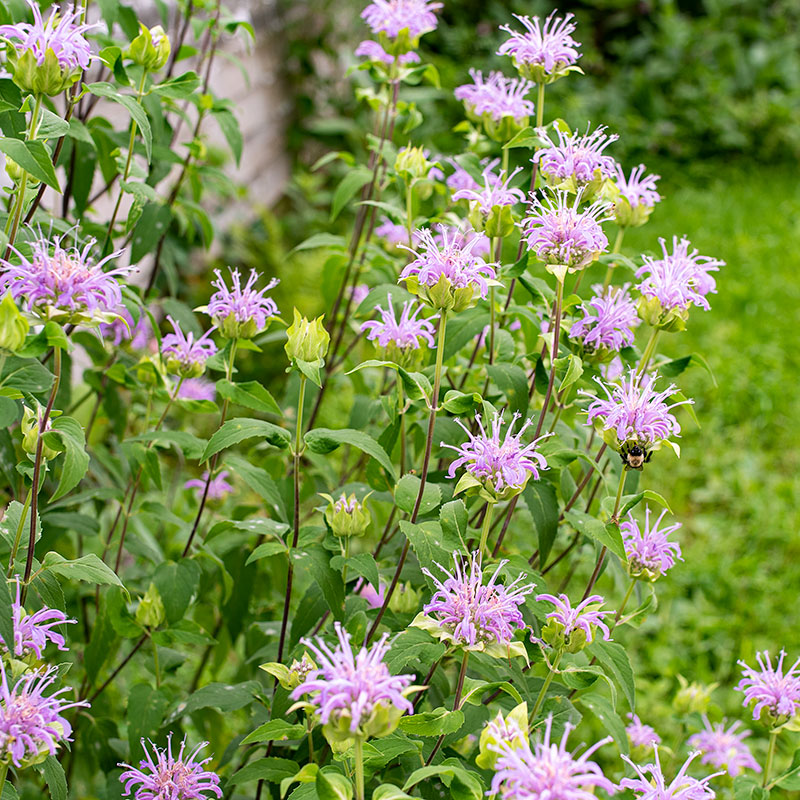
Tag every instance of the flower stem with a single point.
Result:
(434, 407)
(553, 356)
(616, 249)
(545, 686)
(358, 756)
(649, 350)
(410, 214)
(18, 536)
(624, 603)
(456, 702)
(540, 106)
(773, 741)
(620, 488)
(487, 524)
(155, 662)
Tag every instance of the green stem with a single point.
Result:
(621, 486)
(155, 662)
(616, 249)
(310, 729)
(649, 350)
(487, 524)
(401, 401)
(491, 324)
(540, 106)
(410, 215)
(358, 756)
(545, 686)
(773, 741)
(624, 602)
(553, 357)
(18, 536)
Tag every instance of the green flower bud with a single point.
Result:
(628, 216)
(553, 634)
(306, 340)
(692, 697)
(404, 600)
(151, 613)
(13, 326)
(504, 129)
(148, 372)
(292, 676)
(346, 516)
(150, 49)
(29, 426)
(48, 78)
(655, 315)
(411, 163)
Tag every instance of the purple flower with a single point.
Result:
(392, 232)
(451, 259)
(496, 96)
(32, 632)
(359, 293)
(770, 688)
(495, 191)
(635, 411)
(240, 312)
(62, 34)
(612, 371)
(218, 488)
(679, 279)
(499, 464)
(608, 321)
(186, 355)
(58, 281)
(641, 735)
(542, 50)
(197, 389)
(461, 179)
(682, 787)
(346, 688)
(125, 329)
(374, 52)
(639, 189)
(724, 748)
(404, 333)
(393, 16)
(473, 613)
(581, 618)
(373, 597)
(162, 776)
(561, 234)
(577, 156)
(31, 723)
(650, 554)
(548, 770)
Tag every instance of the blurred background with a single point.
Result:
(706, 93)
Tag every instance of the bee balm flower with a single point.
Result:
(608, 322)
(185, 355)
(218, 486)
(404, 334)
(771, 689)
(498, 102)
(400, 23)
(724, 748)
(577, 159)
(649, 553)
(240, 312)
(638, 196)
(641, 735)
(655, 787)
(571, 628)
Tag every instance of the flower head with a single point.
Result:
(496, 96)
(197, 389)
(560, 233)
(32, 632)
(32, 723)
(609, 319)
(218, 486)
(548, 770)
(638, 196)
(573, 628)
(447, 272)
(650, 553)
(461, 179)
(577, 156)
(240, 312)
(634, 411)
(542, 53)
(770, 688)
(392, 232)
(354, 694)
(680, 278)
(162, 776)
(499, 464)
(472, 613)
(405, 333)
(63, 284)
(187, 356)
(641, 735)
(359, 293)
(682, 786)
(724, 747)
(390, 17)
(494, 192)
(374, 52)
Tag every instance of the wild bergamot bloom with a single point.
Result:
(572, 628)
(673, 284)
(655, 787)
(501, 466)
(491, 204)
(446, 272)
(404, 334)
(240, 312)
(633, 415)
(472, 614)
(548, 770)
(64, 284)
(218, 486)
(650, 553)
(637, 196)
(542, 52)
(185, 355)
(164, 776)
(461, 179)
(724, 747)
(32, 724)
(577, 160)
(374, 52)
(498, 102)
(771, 689)
(639, 734)
(609, 320)
(392, 17)
(353, 694)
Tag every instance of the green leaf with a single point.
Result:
(574, 370)
(224, 697)
(88, 568)
(748, 787)
(387, 791)
(319, 240)
(614, 660)
(6, 613)
(453, 519)
(191, 446)
(609, 719)
(540, 499)
(241, 428)
(250, 394)
(607, 535)
(332, 785)
(272, 770)
(260, 482)
(276, 730)
(438, 722)
(316, 561)
(27, 375)
(101, 645)
(139, 115)
(51, 126)
(34, 158)
(146, 709)
(55, 777)
(229, 126)
(512, 380)
(325, 440)
(427, 541)
(362, 564)
(266, 550)
(177, 584)
(152, 225)
(406, 491)
(354, 180)
(178, 88)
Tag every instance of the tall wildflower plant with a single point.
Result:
(182, 617)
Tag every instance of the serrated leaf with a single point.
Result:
(250, 394)
(239, 429)
(438, 722)
(276, 730)
(33, 157)
(88, 568)
(325, 440)
(407, 490)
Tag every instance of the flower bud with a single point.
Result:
(292, 676)
(553, 634)
(150, 49)
(692, 697)
(13, 326)
(404, 600)
(411, 163)
(147, 371)
(30, 433)
(628, 216)
(655, 315)
(151, 613)
(346, 516)
(48, 78)
(306, 340)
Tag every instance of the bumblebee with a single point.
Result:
(634, 456)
